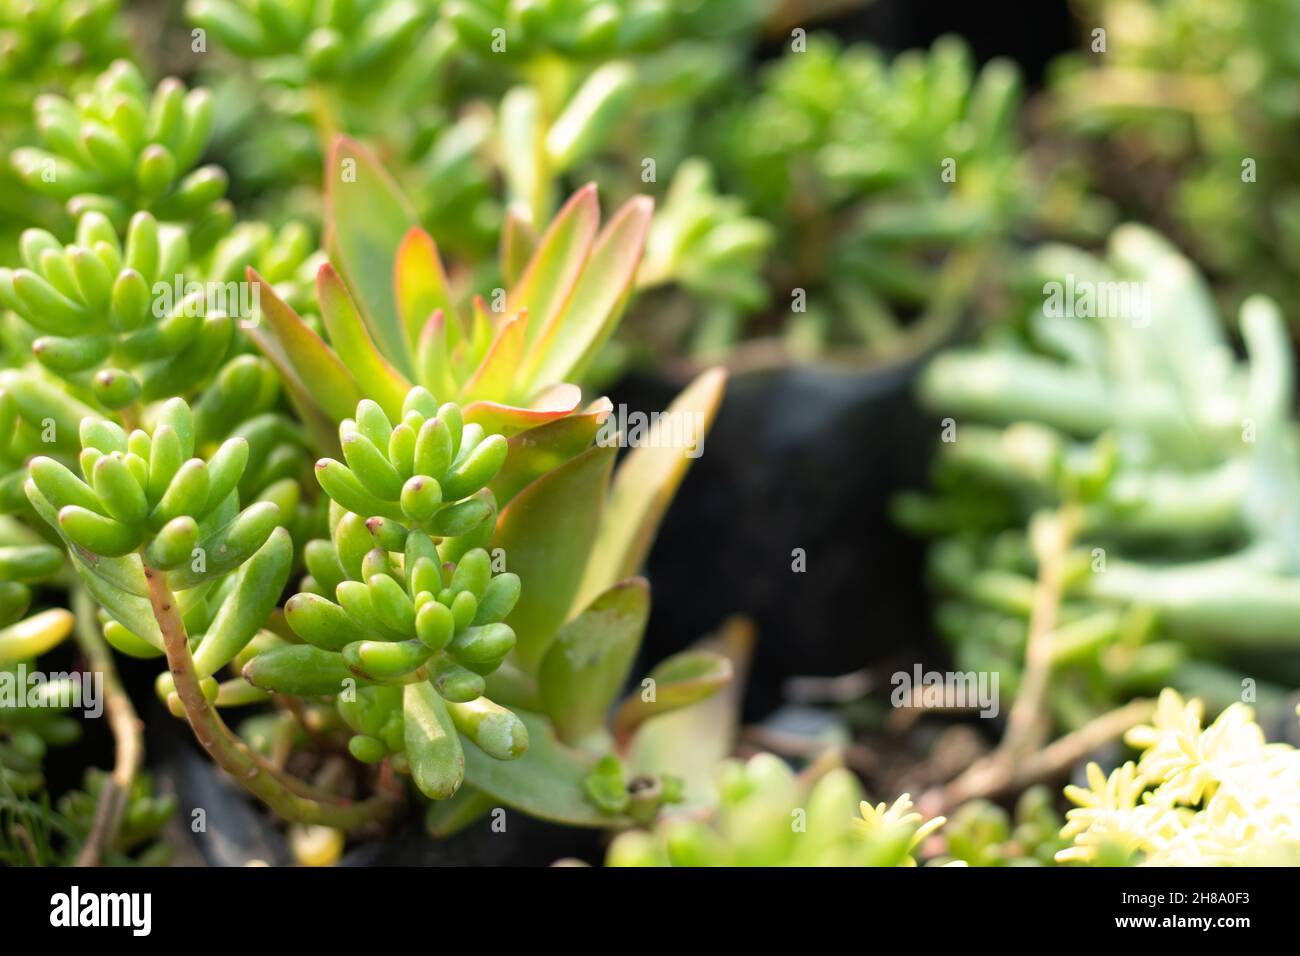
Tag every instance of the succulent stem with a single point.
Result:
(286, 796)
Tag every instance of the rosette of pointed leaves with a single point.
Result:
(121, 147)
(110, 313)
(417, 606)
(768, 816)
(393, 320)
(146, 500)
(573, 531)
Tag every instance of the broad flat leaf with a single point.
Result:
(496, 374)
(420, 284)
(509, 419)
(679, 681)
(589, 660)
(691, 742)
(556, 264)
(538, 450)
(378, 379)
(366, 218)
(301, 356)
(547, 532)
(572, 337)
(547, 782)
(645, 484)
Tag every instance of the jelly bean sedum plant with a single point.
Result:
(467, 611)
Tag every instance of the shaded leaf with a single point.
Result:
(547, 532)
(645, 484)
(679, 681)
(588, 662)
(538, 450)
(690, 742)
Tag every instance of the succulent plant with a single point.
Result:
(1216, 795)
(872, 172)
(530, 450)
(418, 623)
(49, 43)
(1176, 461)
(1183, 113)
(768, 816)
(121, 147)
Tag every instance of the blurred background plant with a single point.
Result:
(1185, 112)
(1128, 454)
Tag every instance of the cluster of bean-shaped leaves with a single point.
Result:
(46, 43)
(100, 304)
(401, 613)
(590, 29)
(120, 147)
(313, 39)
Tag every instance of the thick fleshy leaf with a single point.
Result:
(547, 532)
(432, 744)
(679, 681)
(562, 350)
(378, 379)
(547, 782)
(300, 355)
(538, 450)
(366, 218)
(507, 420)
(645, 484)
(435, 371)
(495, 377)
(589, 660)
(557, 262)
(691, 741)
(420, 284)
